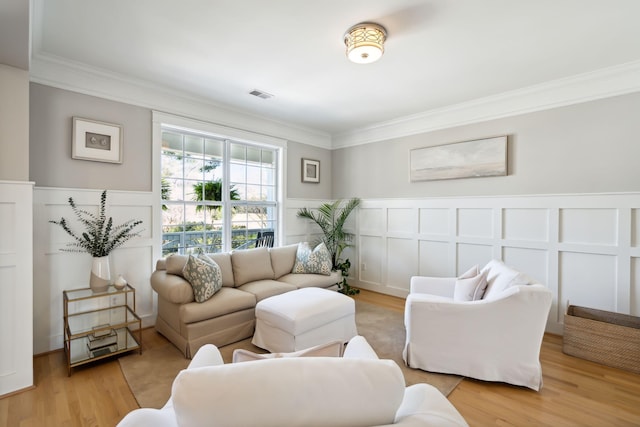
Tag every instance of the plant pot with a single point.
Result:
(100, 275)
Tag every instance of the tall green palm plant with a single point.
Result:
(331, 217)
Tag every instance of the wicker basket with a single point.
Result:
(612, 339)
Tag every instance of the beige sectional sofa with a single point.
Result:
(248, 276)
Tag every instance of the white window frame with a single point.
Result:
(178, 123)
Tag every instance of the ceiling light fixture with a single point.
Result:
(365, 42)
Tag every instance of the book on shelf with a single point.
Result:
(101, 331)
(103, 351)
(95, 342)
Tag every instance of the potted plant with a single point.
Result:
(331, 218)
(99, 239)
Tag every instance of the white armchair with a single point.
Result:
(496, 338)
(356, 390)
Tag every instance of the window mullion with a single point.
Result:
(226, 202)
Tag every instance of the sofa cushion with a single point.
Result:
(331, 349)
(251, 264)
(501, 277)
(305, 391)
(225, 301)
(282, 259)
(204, 275)
(223, 259)
(262, 289)
(312, 280)
(316, 261)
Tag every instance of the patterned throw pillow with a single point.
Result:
(317, 261)
(204, 275)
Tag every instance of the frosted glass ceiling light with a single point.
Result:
(365, 42)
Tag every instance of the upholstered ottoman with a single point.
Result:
(304, 318)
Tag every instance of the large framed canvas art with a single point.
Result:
(468, 159)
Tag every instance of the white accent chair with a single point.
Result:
(356, 390)
(496, 338)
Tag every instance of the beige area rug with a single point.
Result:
(151, 374)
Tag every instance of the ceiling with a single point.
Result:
(439, 53)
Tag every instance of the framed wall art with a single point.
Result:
(310, 170)
(468, 159)
(96, 141)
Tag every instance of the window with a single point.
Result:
(217, 194)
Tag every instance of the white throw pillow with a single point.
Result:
(471, 288)
(501, 277)
(470, 273)
(317, 261)
(332, 349)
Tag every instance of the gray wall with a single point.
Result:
(583, 148)
(51, 165)
(14, 124)
(297, 189)
(50, 162)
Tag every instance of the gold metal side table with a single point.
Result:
(99, 325)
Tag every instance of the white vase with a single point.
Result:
(100, 274)
(120, 282)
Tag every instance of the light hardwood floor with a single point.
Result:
(575, 392)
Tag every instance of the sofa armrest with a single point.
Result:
(172, 288)
(207, 355)
(358, 348)
(424, 405)
(149, 417)
(441, 286)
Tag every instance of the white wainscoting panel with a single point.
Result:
(470, 254)
(434, 221)
(300, 229)
(535, 262)
(603, 225)
(596, 273)
(475, 223)
(374, 220)
(401, 221)
(635, 228)
(16, 286)
(584, 248)
(402, 259)
(371, 257)
(56, 270)
(635, 286)
(434, 257)
(525, 224)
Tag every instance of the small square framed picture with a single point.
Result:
(96, 141)
(310, 170)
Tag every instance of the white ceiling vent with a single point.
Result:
(260, 94)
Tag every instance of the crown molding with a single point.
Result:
(76, 77)
(612, 81)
